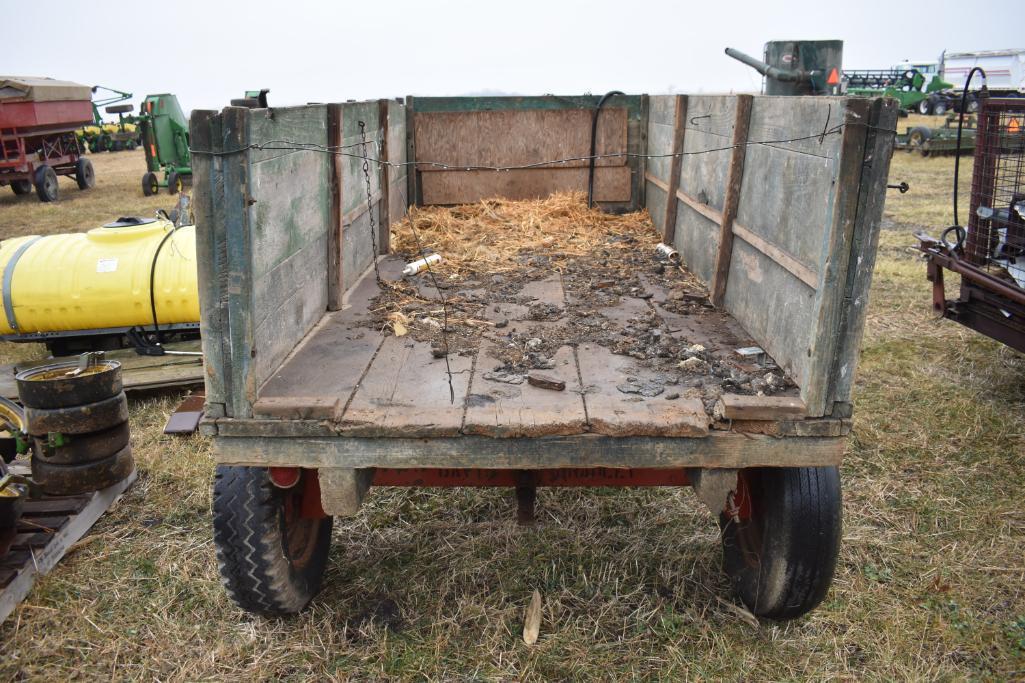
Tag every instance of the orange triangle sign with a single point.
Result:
(834, 77)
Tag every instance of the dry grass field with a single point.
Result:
(432, 584)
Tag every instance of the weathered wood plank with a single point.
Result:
(616, 413)
(335, 289)
(735, 177)
(676, 163)
(239, 263)
(406, 393)
(385, 220)
(211, 255)
(412, 175)
(702, 208)
(838, 255)
(741, 407)
(717, 449)
(611, 184)
(499, 409)
(864, 246)
(779, 256)
(517, 137)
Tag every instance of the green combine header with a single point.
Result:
(165, 138)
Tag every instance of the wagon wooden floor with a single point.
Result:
(372, 383)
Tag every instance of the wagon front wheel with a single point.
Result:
(781, 538)
(271, 548)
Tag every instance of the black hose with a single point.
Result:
(594, 142)
(960, 122)
(152, 282)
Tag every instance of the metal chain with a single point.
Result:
(370, 196)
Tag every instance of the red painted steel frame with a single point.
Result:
(589, 476)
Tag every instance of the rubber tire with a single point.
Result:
(781, 560)
(925, 107)
(149, 184)
(79, 449)
(67, 392)
(174, 183)
(72, 480)
(252, 553)
(922, 135)
(21, 187)
(117, 146)
(84, 174)
(131, 145)
(45, 180)
(83, 419)
(939, 108)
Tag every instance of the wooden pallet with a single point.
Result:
(48, 528)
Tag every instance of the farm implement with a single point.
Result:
(38, 120)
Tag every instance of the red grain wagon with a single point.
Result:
(38, 119)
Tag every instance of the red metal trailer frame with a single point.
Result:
(34, 135)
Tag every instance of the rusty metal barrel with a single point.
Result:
(76, 414)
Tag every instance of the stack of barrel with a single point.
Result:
(77, 418)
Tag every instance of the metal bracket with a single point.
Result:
(714, 487)
(342, 489)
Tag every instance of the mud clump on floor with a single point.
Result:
(531, 277)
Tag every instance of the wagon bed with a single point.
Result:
(315, 394)
(372, 383)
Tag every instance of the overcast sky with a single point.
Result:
(209, 52)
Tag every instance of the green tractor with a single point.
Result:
(165, 139)
(907, 86)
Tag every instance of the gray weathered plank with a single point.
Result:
(615, 413)
(864, 246)
(211, 256)
(406, 393)
(611, 184)
(717, 449)
(734, 179)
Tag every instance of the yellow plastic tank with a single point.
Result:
(99, 279)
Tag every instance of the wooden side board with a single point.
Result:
(782, 223)
(718, 449)
(512, 131)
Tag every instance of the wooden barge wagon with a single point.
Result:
(773, 203)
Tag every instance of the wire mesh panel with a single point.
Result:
(996, 225)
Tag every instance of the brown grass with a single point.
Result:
(118, 192)
(433, 584)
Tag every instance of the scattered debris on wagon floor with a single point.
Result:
(533, 276)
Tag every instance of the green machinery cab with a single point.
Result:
(165, 138)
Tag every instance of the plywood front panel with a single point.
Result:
(463, 187)
(517, 137)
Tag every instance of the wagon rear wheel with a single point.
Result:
(21, 186)
(780, 549)
(270, 554)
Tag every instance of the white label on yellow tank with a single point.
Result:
(106, 265)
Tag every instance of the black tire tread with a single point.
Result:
(248, 538)
(75, 479)
(806, 528)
